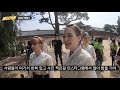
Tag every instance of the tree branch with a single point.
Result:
(69, 21)
(59, 24)
(50, 20)
(72, 20)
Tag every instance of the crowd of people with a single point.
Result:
(82, 52)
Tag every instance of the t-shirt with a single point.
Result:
(113, 46)
(95, 44)
(99, 51)
(113, 49)
(57, 45)
(99, 46)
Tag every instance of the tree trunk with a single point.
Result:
(56, 24)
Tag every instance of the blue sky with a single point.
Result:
(97, 19)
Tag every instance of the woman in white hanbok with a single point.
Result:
(76, 56)
(89, 48)
(40, 58)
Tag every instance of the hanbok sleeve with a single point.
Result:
(87, 74)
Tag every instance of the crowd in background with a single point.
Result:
(83, 51)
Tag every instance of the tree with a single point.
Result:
(118, 28)
(8, 33)
(110, 28)
(64, 17)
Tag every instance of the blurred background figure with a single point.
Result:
(99, 52)
(50, 44)
(113, 50)
(94, 43)
(20, 48)
(58, 49)
(109, 40)
(28, 52)
(118, 57)
(45, 47)
(89, 48)
(29, 49)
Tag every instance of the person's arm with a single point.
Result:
(93, 53)
(50, 63)
(87, 74)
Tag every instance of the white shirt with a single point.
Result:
(42, 60)
(90, 49)
(79, 57)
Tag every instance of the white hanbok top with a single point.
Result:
(90, 49)
(42, 60)
(79, 57)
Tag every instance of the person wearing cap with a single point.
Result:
(89, 48)
(40, 58)
(77, 56)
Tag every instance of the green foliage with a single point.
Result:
(8, 30)
(118, 29)
(67, 17)
(64, 17)
(110, 28)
